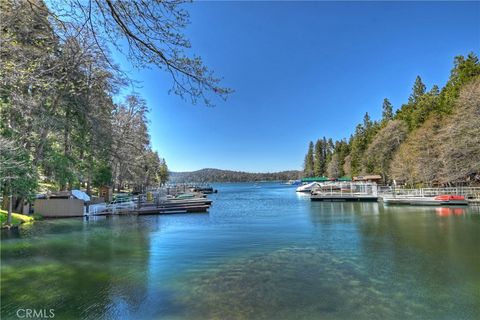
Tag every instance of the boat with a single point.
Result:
(293, 182)
(307, 187)
(440, 200)
(204, 189)
(185, 196)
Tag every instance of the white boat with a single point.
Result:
(307, 187)
(293, 182)
(448, 200)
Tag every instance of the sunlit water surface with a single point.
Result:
(263, 252)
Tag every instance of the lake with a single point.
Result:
(262, 252)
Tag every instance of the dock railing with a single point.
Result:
(472, 193)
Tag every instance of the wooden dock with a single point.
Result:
(175, 206)
(156, 206)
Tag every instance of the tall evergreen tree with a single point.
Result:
(309, 161)
(464, 70)
(417, 91)
(319, 158)
(387, 110)
(367, 122)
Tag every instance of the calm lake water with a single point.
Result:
(263, 252)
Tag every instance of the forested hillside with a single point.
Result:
(65, 122)
(217, 175)
(432, 139)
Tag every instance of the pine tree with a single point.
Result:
(163, 173)
(367, 122)
(319, 159)
(387, 113)
(309, 161)
(417, 91)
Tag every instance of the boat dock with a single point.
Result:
(175, 206)
(343, 198)
(157, 202)
(370, 192)
(345, 191)
(175, 189)
(392, 194)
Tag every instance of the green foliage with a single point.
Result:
(17, 218)
(323, 153)
(387, 112)
(17, 174)
(217, 175)
(163, 173)
(102, 175)
(58, 118)
(418, 91)
(309, 163)
(410, 145)
(60, 168)
(465, 69)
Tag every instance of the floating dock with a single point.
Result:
(344, 198)
(345, 192)
(159, 206)
(176, 206)
(423, 201)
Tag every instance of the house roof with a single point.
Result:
(367, 177)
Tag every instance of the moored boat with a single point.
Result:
(204, 189)
(293, 182)
(446, 199)
(307, 187)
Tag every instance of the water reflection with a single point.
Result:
(445, 212)
(261, 253)
(77, 273)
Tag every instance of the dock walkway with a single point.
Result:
(471, 194)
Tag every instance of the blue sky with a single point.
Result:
(300, 71)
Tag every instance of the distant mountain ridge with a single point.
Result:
(218, 175)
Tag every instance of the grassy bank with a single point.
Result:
(17, 218)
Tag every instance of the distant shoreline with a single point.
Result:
(210, 175)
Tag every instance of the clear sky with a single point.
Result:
(300, 71)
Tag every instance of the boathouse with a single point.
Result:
(62, 204)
